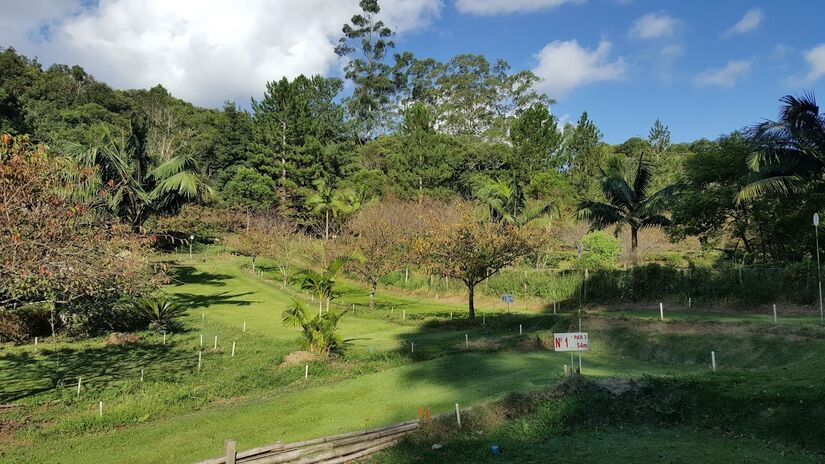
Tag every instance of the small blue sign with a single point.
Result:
(507, 298)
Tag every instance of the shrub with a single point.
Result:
(161, 314)
(599, 251)
(319, 331)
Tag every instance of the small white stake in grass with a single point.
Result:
(690, 300)
(216, 342)
(566, 371)
(79, 379)
(164, 338)
(404, 315)
(451, 315)
(233, 349)
(580, 324)
(774, 313)
(412, 347)
(100, 409)
(35, 341)
(483, 319)
(200, 360)
(203, 316)
(201, 340)
(306, 371)
(554, 307)
(466, 340)
(519, 329)
(713, 360)
(661, 311)
(244, 326)
(457, 415)
(141, 375)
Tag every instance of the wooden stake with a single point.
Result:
(35, 341)
(164, 338)
(713, 360)
(216, 342)
(451, 315)
(519, 328)
(661, 311)
(79, 379)
(141, 375)
(404, 315)
(233, 349)
(690, 301)
(201, 340)
(412, 347)
(306, 371)
(774, 314)
(229, 452)
(483, 319)
(457, 415)
(203, 316)
(200, 360)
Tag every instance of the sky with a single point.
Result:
(703, 67)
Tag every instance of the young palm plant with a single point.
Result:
(628, 203)
(161, 314)
(322, 284)
(320, 332)
(505, 201)
(330, 202)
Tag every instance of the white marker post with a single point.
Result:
(164, 338)
(661, 311)
(200, 360)
(713, 360)
(451, 315)
(306, 371)
(404, 315)
(216, 343)
(466, 340)
(100, 409)
(35, 341)
(201, 340)
(690, 301)
(79, 380)
(141, 375)
(203, 317)
(457, 415)
(233, 349)
(554, 307)
(519, 327)
(244, 326)
(412, 347)
(483, 319)
(774, 314)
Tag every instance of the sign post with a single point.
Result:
(572, 341)
(508, 300)
(818, 267)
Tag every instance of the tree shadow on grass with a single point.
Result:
(28, 374)
(182, 275)
(191, 300)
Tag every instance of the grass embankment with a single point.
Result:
(178, 414)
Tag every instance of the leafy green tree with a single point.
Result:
(584, 153)
(505, 201)
(251, 190)
(659, 138)
(629, 203)
(599, 251)
(536, 142)
(235, 145)
(365, 44)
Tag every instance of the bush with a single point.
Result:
(161, 314)
(599, 251)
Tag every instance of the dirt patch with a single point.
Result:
(7, 430)
(297, 358)
(118, 338)
(484, 344)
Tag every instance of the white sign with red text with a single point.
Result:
(574, 341)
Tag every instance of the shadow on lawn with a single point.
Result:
(191, 300)
(28, 374)
(182, 275)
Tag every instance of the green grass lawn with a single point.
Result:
(178, 414)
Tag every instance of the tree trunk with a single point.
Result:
(326, 225)
(373, 284)
(320, 305)
(253, 264)
(634, 239)
(327, 305)
(471, 300)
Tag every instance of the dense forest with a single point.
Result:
(141, 169)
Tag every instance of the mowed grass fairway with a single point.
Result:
(178, 414)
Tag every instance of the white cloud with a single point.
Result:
(815, 58)
(654, 26)
(493, 7)
(726, 76)
(752, 19)
(202, 52)
(565, 65)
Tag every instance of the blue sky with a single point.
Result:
(662, 74)
(704, 68)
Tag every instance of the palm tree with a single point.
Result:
(628, 203)
(790, 153)
(322, 284)
(505, 201)
(134, 188)
(328, 201)
(320, 332)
